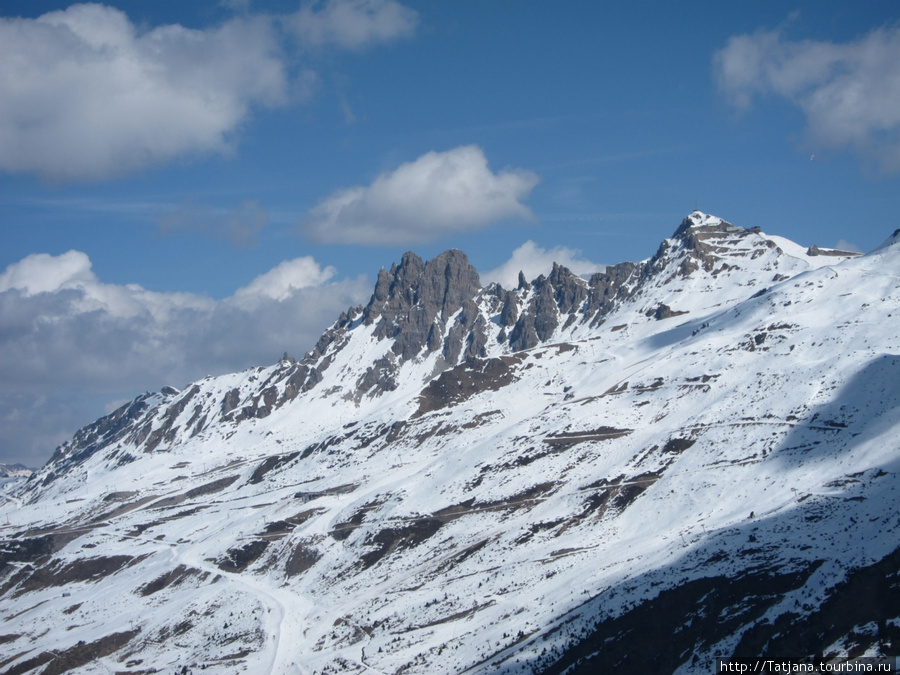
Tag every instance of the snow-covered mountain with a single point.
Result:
(14, 470)
(687, 457)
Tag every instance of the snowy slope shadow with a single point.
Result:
(820, 576)
(865, 408)
(769, 587)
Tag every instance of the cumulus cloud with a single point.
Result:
(84, 94)
(48, 278)
(439, 193)
(66, 338)
(533, 261)
(87, 95)
(850, 92)
(240, 225)
(352, 24)
(281, 282)
(43, 273)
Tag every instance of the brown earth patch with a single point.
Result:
(338, 490)
(388, 540)
(480, 419)
(140, 528)
(200, 491)
(239, 559)
(80, 654)
(60, 573)
(122, 509)
(469, 378)
(270, 464)
(302, 558)
(343, 530)
(467, 552)
(570, 438)
(173, 577)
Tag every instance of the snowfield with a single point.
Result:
(698, 458)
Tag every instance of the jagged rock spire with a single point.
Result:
(413, 301)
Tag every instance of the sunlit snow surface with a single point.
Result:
(756, 429)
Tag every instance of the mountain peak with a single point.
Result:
(698, 222)
(414, 301)
(709, 242)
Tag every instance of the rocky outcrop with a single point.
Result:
(424, 307)
(413, 302)
(833, 252)
(606, 290)
(105, 432)
(562, 293)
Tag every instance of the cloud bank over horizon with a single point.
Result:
(849, 92)
(437, 194)
(68, 335)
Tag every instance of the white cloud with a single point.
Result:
(62, 330)
(439, 193)
(280, 282)
(849, 92)
(70, 275)
(352, 24)
(533, 261)
(84, 94)
(43, 273)
(239, 225)
(87, 95)
(33, 424)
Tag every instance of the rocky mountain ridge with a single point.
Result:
(438, 314)
(460, 478)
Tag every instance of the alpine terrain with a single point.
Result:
(692, 456)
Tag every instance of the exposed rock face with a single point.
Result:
(663, 311)
(815, 250)
(607, 290)
(569, 290)
(563, 294)
(119, 425)
(413, 305)
(413, 302)
(472, 376)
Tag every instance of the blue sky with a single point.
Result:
(193, 188)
